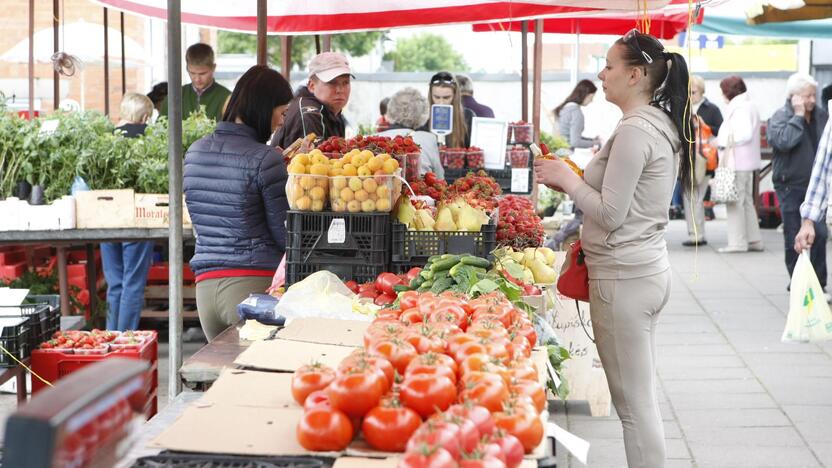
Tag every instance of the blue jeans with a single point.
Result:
(790, 199)
(125, 268)
(677, 195)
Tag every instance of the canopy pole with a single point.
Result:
(576, 65)
(286, 55)
(56, 78)
(262, 47)
(123, 60)
(318, 44)
(31, 59)
(538, 75)
(106, 64)
(524, 70)
(326, 43)
(175, 199)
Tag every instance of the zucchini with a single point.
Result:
(476, 262)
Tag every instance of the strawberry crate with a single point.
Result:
(52, 365)
(413, 248)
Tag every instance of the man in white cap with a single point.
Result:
(317, 106)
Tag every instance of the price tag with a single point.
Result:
(337, 233)
(520, 180)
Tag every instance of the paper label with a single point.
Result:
(520, 180)
(337, 233)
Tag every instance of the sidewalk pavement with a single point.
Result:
(731, 394)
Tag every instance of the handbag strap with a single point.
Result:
(581, 319)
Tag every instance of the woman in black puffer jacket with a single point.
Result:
(235, 191)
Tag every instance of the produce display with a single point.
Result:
(375, 144)
(522, 132)
(384, 290)
(441, 377)
(94, 342)
(518, 225)
(457, 215)
(461, 158)
(525, 267)
(430, 186)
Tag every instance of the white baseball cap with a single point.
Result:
(329, 65)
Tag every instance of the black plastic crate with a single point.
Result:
(451, 175)
(503, 178)
(15, 341)
(413, 248)
(199, 460)
(366, 236)
(345, 268)
(44, 313)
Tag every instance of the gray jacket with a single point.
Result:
(571, 123)
(795, 143)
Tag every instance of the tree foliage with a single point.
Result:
(425, 52)
(303, 47)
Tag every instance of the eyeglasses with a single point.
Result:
(631, 39)
(443, 78)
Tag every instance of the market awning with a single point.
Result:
(729, 25)
(790, 10)
(662, 25)
(334, 16)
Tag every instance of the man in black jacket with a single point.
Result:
(317, 106)
(794, 133)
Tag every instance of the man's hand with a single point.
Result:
(805, 237)
(799, 105)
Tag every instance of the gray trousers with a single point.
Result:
(217, 299)
(695, 209)
(624, 317)
(743, 225)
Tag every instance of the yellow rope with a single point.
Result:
(691, 142)
(3, 348)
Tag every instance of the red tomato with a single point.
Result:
(427, 394)
(526, 426)
(523, 370)
(324, 430)
(532, 389)
(408, 299)
(315, 399)
(398, 352)
(389, 428)
(310, 378)
(412, 316)
(386, 281)
(356, 392)
(511, 447)
(382, 330)
(362, 360)
(413, 273)
(427, 369)
(435, 433)
(427, 457)
(384, 299)
(469, 435)
(435, 359)
(490, 394)
(352, 285)
(479, 415)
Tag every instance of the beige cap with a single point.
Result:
(329, 65)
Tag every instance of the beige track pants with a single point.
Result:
(624, 316)
(217, 299)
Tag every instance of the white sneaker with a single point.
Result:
(732, 249)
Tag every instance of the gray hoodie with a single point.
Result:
(571, 124)
(627, 189)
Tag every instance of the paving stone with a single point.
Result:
(699, 401)
(670, 372)
(813, 422)
(721, 418)
(810, 391)
(775, 436)
(696, 350)
(685, 362)
(675, 387)
(745, 456)
(688, 338)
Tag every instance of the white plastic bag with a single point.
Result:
(809, 318)
(322, 295)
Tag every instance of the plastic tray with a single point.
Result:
(413, 248)
(364, 194)
(307, 192)
(193, 460)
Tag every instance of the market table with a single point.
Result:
(65, 238)
(199, 371)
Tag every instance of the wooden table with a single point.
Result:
(203, 368)
(88, 237)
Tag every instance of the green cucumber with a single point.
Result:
(476, 262)
(442, 285)
(401, 288)
(444, 264)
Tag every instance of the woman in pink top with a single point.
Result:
(740, 132)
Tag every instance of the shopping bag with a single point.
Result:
(809, 318)
(723, 185)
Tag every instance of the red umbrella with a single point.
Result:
(664, 25)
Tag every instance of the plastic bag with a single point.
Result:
(809, 318)
(279, 278)
(260, 307)
(322, 295)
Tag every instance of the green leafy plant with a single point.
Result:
(425, 52)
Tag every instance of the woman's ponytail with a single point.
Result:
(673, 96)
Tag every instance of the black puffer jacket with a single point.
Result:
(235, 189)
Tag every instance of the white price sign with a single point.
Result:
(520, 180)
(337, 233)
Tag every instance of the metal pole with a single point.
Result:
(31, 59)
(56, 78)
(262, 47)
(326, 42)
(123, 60)
(318, 44)
(576, 66)
(524, 70)
(175, 191)
(106, 64)
(286, 55)
(538, 75)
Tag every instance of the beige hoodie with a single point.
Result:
(626, 195)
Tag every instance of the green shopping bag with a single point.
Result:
(809, 318)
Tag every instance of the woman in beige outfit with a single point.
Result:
(624, 195)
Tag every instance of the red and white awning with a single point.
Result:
(334, 16)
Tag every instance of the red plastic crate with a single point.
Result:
(10, 272)
(11, 255)
(151, 407)
(54, 366)
(159, 274)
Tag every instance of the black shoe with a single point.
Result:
(690, 243)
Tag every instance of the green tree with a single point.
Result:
(303, 47)
(425, 52)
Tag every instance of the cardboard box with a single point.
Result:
(286, 356)
(325, 331)
(152, 210)
(105, 209)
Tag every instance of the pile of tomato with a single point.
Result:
(382, 291)
(447, 380)
(518, 225)
(376, 144)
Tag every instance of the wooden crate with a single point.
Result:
(105, 209)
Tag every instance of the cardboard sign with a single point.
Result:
(490, 135)
(251, 388)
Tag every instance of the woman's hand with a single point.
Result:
(555, 174)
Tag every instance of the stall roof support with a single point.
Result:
(56, 78)
(31, 59)
(262, 46)
(524, 70)
(538, 75)
(175, 191)
(286, 55)
(123, 62)
(106, 63)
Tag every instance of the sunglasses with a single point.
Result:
(443, 78)
(631, 39)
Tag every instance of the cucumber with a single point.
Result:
(426, 285)
(444, 264)
(426, 274)
(401, 288)
(434, 258)
(417, 281)
(442, 285)
(476, 262)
